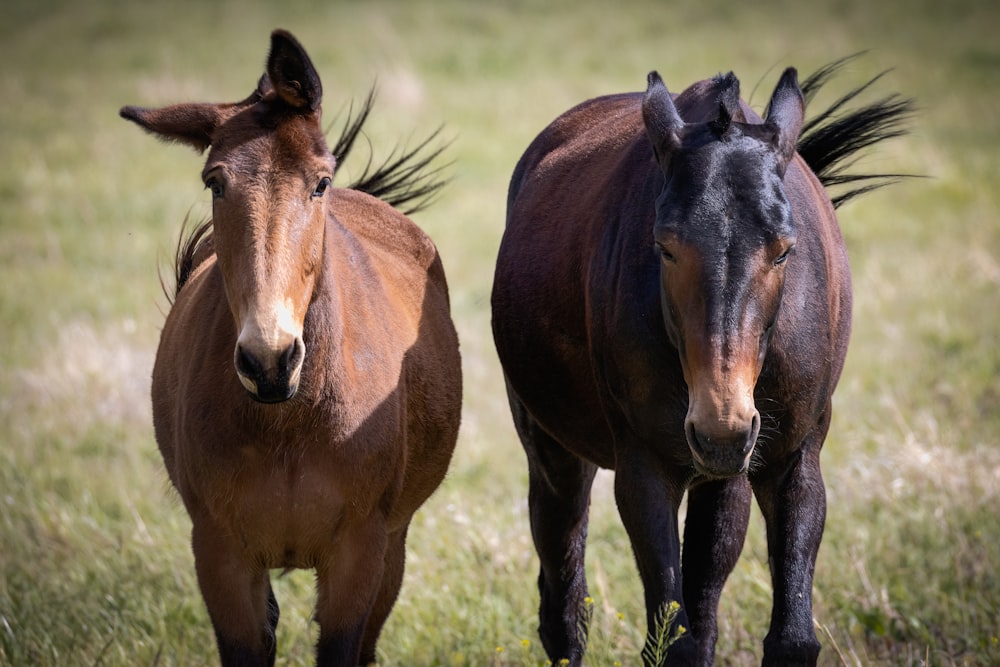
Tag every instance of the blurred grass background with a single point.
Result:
(94, 555)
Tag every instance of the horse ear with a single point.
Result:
(264, 86)
(292, 73)
(785, 113)
(663, 123)
(191, 124)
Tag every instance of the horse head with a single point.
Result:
(269, 170)
(725, 232)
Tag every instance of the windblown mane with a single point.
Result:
(192, 249)
(831, 140)
(404, 180)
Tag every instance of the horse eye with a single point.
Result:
(783, 257)
(215, 186)
(665, 254)
(321, 187)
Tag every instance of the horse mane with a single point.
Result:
(402, 180)
(831, 140)
(728, 100)
(188, 255)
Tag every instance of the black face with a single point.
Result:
(724, 233)
(724, 209)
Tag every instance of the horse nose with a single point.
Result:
(270, 377)
(722, 452)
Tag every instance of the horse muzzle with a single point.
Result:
(722, 452)
(271, 377)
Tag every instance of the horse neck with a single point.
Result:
(324, 329)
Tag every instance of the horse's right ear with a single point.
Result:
(785, 113)
(291, 72)
(663, 123)
(191, 124)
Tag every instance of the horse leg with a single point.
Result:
(793, 502)
(238, 596)
(714, 530)
(273, 613)
(559, 486)
(348, 581)
(648, 504)
(392, 580)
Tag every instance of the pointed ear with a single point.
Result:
(785, 113)
(264, 86)
(292, 73)
(191, 124)
(663, 123)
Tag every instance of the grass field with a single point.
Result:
(96, 567)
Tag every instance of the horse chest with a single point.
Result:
(284, 509)
(287, 518)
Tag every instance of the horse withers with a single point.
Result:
(307, 387)
(672, 300)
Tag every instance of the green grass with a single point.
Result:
(96, 567)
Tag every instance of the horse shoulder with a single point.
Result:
(812, 206)
(422, 357)
(810, 342)
(563, 196)
(402, 260)
(186, 373)
(199, 303)
(384, 231)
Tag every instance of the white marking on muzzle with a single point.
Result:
(267, 335)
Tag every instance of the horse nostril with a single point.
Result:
(722, 454)
(751, 440)
(291, 358)
(272, 378)
(695, 439)
(247, 364)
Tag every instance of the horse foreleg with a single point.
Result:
(714, 530)
(558, 504)
(392, 580)
(348, 581)
(238, 596)
(794, 508)
(648, 506)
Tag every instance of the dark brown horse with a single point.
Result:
(307, 387)
(672, 301)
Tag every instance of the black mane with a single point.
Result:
(831, 140)
(728, 100)
(403, 178)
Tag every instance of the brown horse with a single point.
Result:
(672, 301)
(307, 388)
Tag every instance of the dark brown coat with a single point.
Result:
(672, 301)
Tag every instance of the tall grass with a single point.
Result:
(95, 562)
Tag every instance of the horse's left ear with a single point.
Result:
(292, 73)
(785, 113)
(663, 123)
(191, 124)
